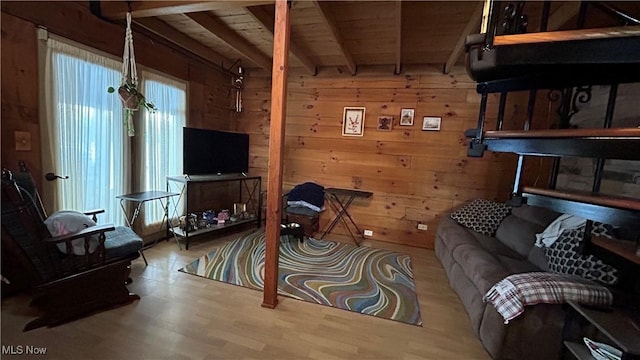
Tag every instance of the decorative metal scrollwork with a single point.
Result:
(514, 21)
(568, 102)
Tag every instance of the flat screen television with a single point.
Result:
(209, 152)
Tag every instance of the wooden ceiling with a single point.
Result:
(340, 34)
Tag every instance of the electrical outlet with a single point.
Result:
(368, 233)
(423, 227)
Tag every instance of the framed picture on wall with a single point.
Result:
(431, 123)
(385, 122)
(406, 117)
(353, 121)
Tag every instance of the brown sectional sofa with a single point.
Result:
(475, 262)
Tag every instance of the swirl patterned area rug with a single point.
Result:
(360, 279)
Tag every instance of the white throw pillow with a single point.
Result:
(65, 222)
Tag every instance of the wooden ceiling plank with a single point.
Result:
(472, 25)
(563, 14)
(267, 21)
(398, 37)
(328, 19)
(231, 38)
(166, 31)
(116, 10)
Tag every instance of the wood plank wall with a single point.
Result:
(19, 94)
(416, 176)
(210, 99)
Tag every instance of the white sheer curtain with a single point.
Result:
(83, 131)
(161, 142)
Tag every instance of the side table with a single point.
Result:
(140, 198)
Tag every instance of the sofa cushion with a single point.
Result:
(495, 246)
(453, 235)
(538, 258)
(481, 267)
(515, 266)
(518, 234)
(121, 243)
(482, 216)
(537, 215)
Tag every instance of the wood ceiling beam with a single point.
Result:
(323, 9)
(472, 26)
(267, 21)
(398, 37)
(162, 29)
(117, 10)
(231, 38)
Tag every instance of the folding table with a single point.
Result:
(140, 198)
(339, 200)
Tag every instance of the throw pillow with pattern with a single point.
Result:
(482, 216)
(564, 257)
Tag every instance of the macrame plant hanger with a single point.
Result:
(129, 81)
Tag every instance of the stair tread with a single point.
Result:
(589, 133)
(567, 35)
(625, 248)
(587, 197)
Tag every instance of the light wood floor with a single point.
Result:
(182, 316)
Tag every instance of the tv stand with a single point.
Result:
(217, 192)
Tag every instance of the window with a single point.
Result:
(161, 145)
(84, 135)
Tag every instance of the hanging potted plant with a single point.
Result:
(131, 98)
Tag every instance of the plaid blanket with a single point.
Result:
(511, 294)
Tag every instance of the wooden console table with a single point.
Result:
(334, 196)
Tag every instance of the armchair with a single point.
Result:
(66, 283)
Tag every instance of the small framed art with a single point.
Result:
(385, 123)
(431, 123)
(353, 121)
(406, 117)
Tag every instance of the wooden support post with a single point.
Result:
(276, 144)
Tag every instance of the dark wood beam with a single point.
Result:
(231, 38)
(164, 30)
(398, 37)
(325, 12)
(116, 10)
(472, 26)
(276, 151)
(264, 18)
